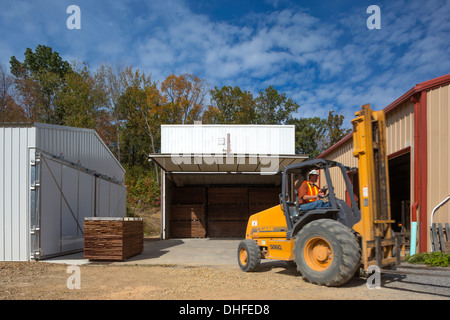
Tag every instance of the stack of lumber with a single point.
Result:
(217, 211)
(229, 195)
(188, 221)
(188, 213)
(262, 198)
(227, 211)
(113, 238)
(189, 195)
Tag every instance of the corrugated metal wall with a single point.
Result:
(344, 155)
(399, 135)
(67, 196)
(79, 145)
(14, 176)
(66, 193)
(438, 118)
(400, 128)
(212, 139)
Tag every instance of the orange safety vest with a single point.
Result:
(312, 191)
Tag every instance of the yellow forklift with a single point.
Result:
(329, 244)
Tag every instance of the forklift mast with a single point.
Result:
(369, 146)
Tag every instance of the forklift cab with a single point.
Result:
(338, 209)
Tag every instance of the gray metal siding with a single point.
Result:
(82, 146)
(14, 177)
(64, 197)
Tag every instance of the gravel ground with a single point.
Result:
(420, 279)
(274, 280)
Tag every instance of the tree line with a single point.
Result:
(126, 107)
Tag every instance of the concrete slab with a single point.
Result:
(198, 252)
(191, 252)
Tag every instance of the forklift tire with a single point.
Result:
(326, 252)
(249, 255)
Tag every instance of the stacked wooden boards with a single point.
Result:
(262, 198)
(217, 211)
(188, 214)
(113, 238)
(227, 211)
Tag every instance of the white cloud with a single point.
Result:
(319, 62)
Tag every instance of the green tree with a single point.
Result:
(275, 108)
(113, 82)
(141, 109)
(314, 135)
(234, 106)
(310, 133)
(335, 131)
(38, 80)
(231, 105)
(82, 99)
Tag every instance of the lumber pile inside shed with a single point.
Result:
(113, 239)
(262, 198)
(188, 221)
(217, 211)
(227, 211)
(188, 213)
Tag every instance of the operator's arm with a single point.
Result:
(303, 194)
(307, 198)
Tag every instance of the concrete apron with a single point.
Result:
(189, 252)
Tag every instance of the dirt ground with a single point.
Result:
(272, 281)
(39, 280)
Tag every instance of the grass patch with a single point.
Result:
(436, 259)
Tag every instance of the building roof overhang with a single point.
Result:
(223, 163)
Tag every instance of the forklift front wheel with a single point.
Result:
(326, 252)
(249, 255)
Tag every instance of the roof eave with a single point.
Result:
(423, 86)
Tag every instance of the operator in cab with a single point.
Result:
(310, 195)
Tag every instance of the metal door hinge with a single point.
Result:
(35, 230)
(36, 161)
(35, 185)
(35, 255)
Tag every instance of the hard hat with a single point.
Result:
(313, 172)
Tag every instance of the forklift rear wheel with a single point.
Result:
(326, 252)
(249, 255)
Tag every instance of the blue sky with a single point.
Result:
(320, 53)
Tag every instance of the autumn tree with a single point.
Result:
(184, 98)
(6, 81)
(142, 111)
(9, 110)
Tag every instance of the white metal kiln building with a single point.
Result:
(51, 178)
(215, 176)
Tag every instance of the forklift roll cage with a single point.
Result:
(339, 210)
